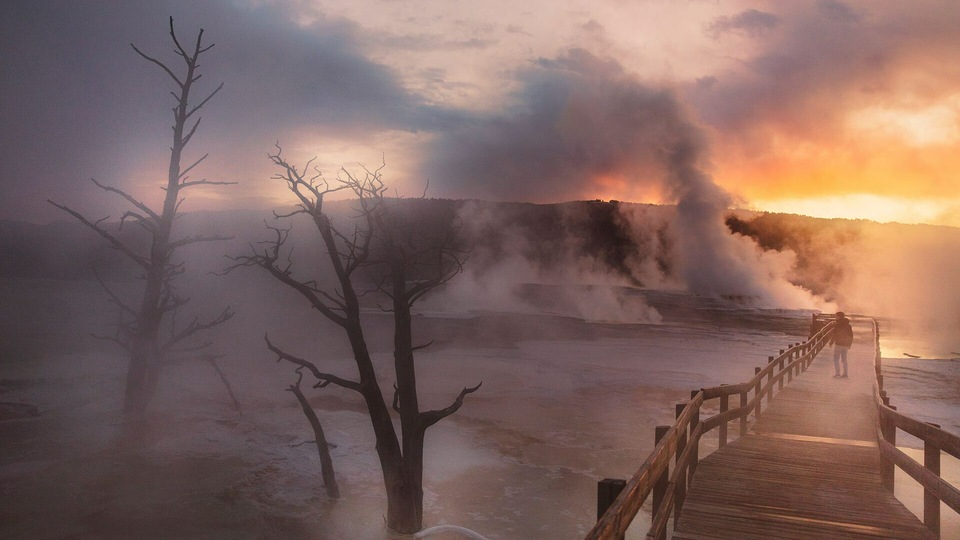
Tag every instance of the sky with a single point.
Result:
(825, 108)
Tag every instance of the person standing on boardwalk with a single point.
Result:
(842, 339)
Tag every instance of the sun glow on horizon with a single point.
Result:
(868, 206)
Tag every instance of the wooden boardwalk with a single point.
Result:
(809, 468)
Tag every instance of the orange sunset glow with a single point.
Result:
(831, 108)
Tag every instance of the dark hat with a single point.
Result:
(840, 315)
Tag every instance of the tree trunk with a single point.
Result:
(405, 498)
(410, 490)
(326, 462)
(144, 357)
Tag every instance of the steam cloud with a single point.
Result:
(579, 120)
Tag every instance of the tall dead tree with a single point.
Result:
(149, 332)
(379, 251)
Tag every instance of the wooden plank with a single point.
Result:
(809, 468)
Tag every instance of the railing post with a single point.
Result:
(680, 488)
(607, 491)
(694, 422)
(889, 431)
(770, 379)
(660, 486)
(931, 504)
(780, 369)
(756, 392)
(878, 367)
(724, 405)
(744, 413)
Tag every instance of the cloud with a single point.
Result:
(76, 101)
(791, 112)
(837, 11)
(576, 117)
(751, 22)
(827, 59)
(428, 42)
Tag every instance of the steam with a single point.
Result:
(580, 121)
(712, 260)
(503, 276)
(908, 274)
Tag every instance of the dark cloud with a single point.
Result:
(837, 11)
(827, 59)
(77, 102)
(576, 117)
(428, 42)
(750, 22)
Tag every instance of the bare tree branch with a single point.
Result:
(197, 326)
(195, 239)
(424, 346)
(142, 207)
(197, 162)
(324, 378)
(429, 418)
(114, 241)
(204, 183)
(202, 103)
(114, 297)
(159, 63)
(268, 261)
(180, 50)
(150, 226)
(212, 360)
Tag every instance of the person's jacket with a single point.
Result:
(843, 333)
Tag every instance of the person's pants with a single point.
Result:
(840, 353)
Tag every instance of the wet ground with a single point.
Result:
(564, 402)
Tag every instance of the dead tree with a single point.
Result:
(148, 332)
(396, 259)
(326, 462)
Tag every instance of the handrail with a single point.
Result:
(673, 442)
(935, 440)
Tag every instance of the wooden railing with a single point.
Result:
(618, 501)
(935, 441)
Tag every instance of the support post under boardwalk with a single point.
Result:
(660, 486)
(756, 392)
(931, 504)
(607, 491)
(680, 487)
(695, 453)
(744, 414)
(887, 466)
(724, 405)
(770, 380)
(780, 364)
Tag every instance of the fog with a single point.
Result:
(582, 346)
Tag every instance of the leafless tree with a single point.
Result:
(326, 462)
(149, 332)
(381, 252)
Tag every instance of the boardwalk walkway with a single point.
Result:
(809, 468)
